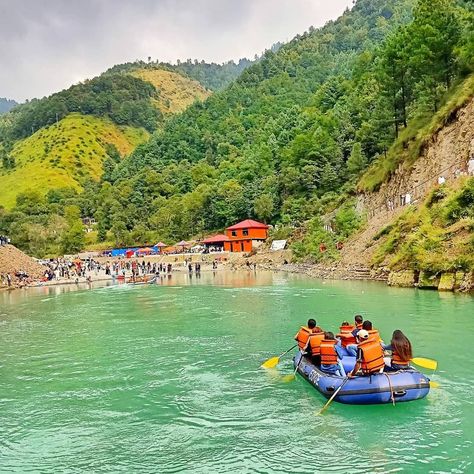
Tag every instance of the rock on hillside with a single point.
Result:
(13, 260)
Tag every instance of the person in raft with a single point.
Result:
(345, 336)
(313, 347)
(401, 351)
(373, 334)
(358, 324)
(331, 355)
(369, 355)
(303, 334)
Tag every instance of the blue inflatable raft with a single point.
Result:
(399, 386)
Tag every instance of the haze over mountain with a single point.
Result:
(6, 104)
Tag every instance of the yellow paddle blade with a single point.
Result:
(434, 384)
(271, 363)
(426, 363)
(288, 378)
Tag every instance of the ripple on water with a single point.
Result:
(130, 379)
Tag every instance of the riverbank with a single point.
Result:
(283, 261)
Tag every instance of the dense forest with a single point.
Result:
(124, 99)
(286, 142)
(211, 75)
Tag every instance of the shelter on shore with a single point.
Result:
(245, 236)
(215, 242)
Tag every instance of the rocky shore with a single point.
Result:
(283, 261)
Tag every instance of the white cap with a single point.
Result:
(363, 334)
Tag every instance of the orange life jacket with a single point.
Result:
(372, 356)
(358, 326)
(374, 335)
(328, 352)
(314, 343)
(303, 336)
(396, 359)
(346, 336)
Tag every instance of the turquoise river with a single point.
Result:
(166, 378)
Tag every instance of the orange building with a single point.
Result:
(244, 236)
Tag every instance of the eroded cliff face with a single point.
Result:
(445, 157)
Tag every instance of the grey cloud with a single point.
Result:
(46, 45)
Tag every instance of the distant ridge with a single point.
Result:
(6, 105)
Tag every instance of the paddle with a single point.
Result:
(333, 396)
(273, 362)
(291, 377)
(427, 364)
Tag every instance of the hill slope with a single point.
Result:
(175, 92)
(65, 155)
(288, 141)
(91, 117)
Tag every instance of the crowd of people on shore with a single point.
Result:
(360, 340)
(67, 270)
(6, 279)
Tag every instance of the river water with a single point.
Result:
(166, 378)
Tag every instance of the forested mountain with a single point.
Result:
(288, 140)
(75, 135)
(6, 105)
(211, 75)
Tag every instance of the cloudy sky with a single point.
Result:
(46, 45)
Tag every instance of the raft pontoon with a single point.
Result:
(398, 386)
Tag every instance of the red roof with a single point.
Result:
(248, 224)
(216, 239)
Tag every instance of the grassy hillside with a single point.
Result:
(212, 76)
(434, 237)
(64, 155)
(74, 150)
(175, 92)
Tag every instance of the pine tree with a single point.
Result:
(357, 161)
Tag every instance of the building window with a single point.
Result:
(245, 232)
(234, 233)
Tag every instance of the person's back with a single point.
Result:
(313, 348)
(303, 334)
(401, 351)
(331, 356)
(345, 334)
(369, 355)
(373, 333)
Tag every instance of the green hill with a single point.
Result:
(289, 139)
(65, 155)
(61, 141)
(175, 92)
(212, 76)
